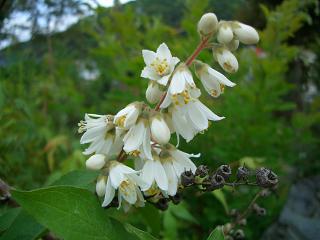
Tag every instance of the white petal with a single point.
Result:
(172, 179)
(163, 52)
(129, 193)
(164, 80)
(181, 126)
(146, 144)
(109, 194)
(131, 117)
(197, 117)
(166, 102)
(148, 56)
(149, 73)
(210, 115)
(182, 159)
(220, 77)
(96, 162)
(133, 139)
(160, 176)
(148, 174)
(178, 83)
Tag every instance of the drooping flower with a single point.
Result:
(128, 116)
(127, 182)
(153, 173)
(182, 79)
(213, 81)
(159, 65)
(100, 132)
(137, 140)
(227, 60)
(175, 162)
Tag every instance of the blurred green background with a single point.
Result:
(48, 83)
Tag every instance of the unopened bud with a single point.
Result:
(101, 186)
(245, 33)
(207, 24)
(187, 178)
(153, 93)
(202, 171)
(225, 34)
(96, 162)
(224, 171)
(227, 60)
(160, 131)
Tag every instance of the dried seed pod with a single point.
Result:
(162, 204)
(259, 210)
(234, 212)
(242, 173)
(187, 178)
(224, 171)
(266, 178)
(202, 171)
(239, 234)
(176, 199)
(216, 182)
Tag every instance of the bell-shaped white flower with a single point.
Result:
(181, 80)
(153, 173)
(192, 118)
(225, 34)
(159, 65)
(245, 33)
(175, 162)
(101, 186)
(126, 181)
(227, 60)
(160, 131)
(137, 140)
(96, 162)
(207, 24)
(153, 93)
(100, 132)
(212, 80)
(128, 116)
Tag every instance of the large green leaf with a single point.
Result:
(216, 234)
(7, 218)
(73, 213)
(23, 227)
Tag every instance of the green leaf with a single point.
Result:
(8, 217)
(23, 227)
(221, 198)
(216, 234)
(139, 233)
(78, 178)
(72, 213)
(181, 211)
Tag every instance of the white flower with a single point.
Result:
(101, 134)
(192, 118)
(207, 24)
(225, 34)
(227, 60)
(245, 33)
(153, 172)
(175, 162)
(137, 139)
(159, 65)
(101, 186)
(127, 182)
(160, 131)
(212, 80)
(153, 93)
(96, 162)
(128, 116)
(181, 80)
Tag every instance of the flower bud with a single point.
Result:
(245, 33)
(101, 186)
(207, 24)
(153, 93)
(227, 60)
(96, 162)
(159, 130)
(225, 34)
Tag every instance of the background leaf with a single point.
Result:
(216, 234)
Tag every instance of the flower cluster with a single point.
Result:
(143, 134)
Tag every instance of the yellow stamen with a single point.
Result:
(160, 66)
